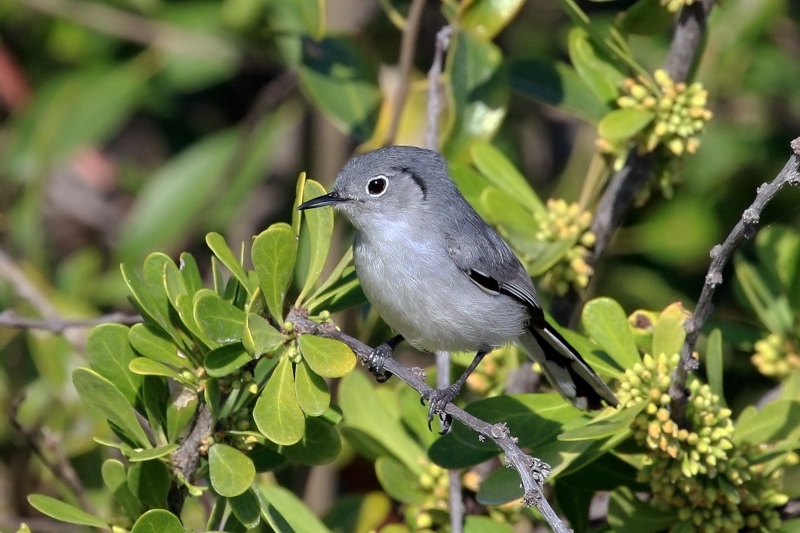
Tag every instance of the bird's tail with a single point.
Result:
(565, 368)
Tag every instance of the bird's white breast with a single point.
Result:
(418, 290)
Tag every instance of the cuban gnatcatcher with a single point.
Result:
(441, 277)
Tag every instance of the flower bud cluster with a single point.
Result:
(697, 470)
(776, 356)
(433, 512)
(567, 221)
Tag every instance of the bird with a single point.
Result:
(442, 278)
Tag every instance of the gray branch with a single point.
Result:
(720, 255)
(532, 471)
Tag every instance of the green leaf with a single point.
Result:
(143, 366)
(501, 486)
(477, 91)
(225, 360)
(320, 444)
(286, 513)
(485, 18)
(646, 17)
(557, 84)
(775, 421)
(327, 357)
(153, 270)
(115, 478)
(313, 394)
(778, 249)
(398, 482)
(158, 521)
(501, 173)
(231, 472)
(277, 412)
(148, 303)
(190, 274)
(668, 335)
(362, 407)
(607, 423)
(173, 283)
(596, 71)
(245, 507)
(765, 297)
(65, 512)
(155, 392)
(552, 254)
(137, 456)
(260, 337)
(103, 396)
(320, 230)
(109, 354)
(607, 325)
(627, 513)
(217, 243)
(149, 481)
(600, 361)
(174, 196)
(185, 310)
(341, 79)
(265, 459)
(622, 124)
(714, 364)
(273, 254)
(152, 343)
(219, 320)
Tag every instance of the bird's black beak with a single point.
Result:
(331, 198)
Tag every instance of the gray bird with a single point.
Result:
(442, 277)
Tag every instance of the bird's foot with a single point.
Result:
(376, 360)
(437, 401)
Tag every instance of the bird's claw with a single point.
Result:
(376, 360)
(437, 401)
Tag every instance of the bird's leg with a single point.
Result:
(439, 398)
(378, 357)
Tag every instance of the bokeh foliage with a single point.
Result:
(124, 152)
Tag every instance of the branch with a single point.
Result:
(532, 471)
(434, 103)
(720, 255)
(186, 458)
(407, 48)
(10, 319)
(119, 23)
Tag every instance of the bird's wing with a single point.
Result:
(488, 261)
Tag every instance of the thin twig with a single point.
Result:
(720, 255)
(407, 48)
(60, 467)
(186, 458)
(10, 319)
(454, 476)
(119, 23)
(434, 102)
(532, 471)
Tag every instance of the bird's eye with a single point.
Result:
(377, 186)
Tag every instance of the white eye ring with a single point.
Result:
(377, 186)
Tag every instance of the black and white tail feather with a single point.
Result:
(566, 370)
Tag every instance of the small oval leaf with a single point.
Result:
(277, 412)
(217, 243)
(327, 357)
(606, 323)
(226, 359)
(109, 354)
(158, 521)
(230, 470)
(622, 124)
(313, 393)
(274, 253)
(260, 337)
(65, 512)
(219, 320)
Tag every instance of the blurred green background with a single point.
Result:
(133, 126)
